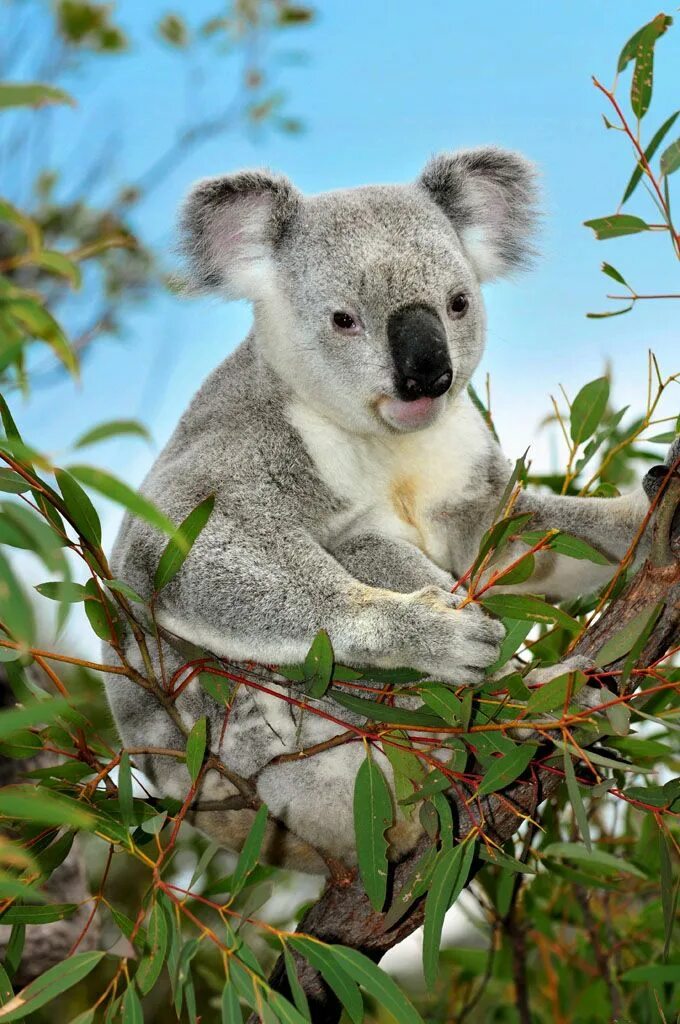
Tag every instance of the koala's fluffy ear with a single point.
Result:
(230, 227)
(489, 195)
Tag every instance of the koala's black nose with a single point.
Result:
(417, 341)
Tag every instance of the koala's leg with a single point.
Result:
(295, 792)
(265, 597)
(384, 562)
(607, 524)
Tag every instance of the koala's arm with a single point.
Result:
(264, 596)
(608, 524)
(388, 562)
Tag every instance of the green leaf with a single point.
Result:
(296, 989)
(553, 694)
(96, 612)
(588, 408)
(450, 875)
(655, 28)
(670, 158)
(377, 983)
(12, 483)
(415, 885)
(616, 225)
(373, 814)
(505, 862)
(231, 1007)
(196, 744)
(443, 702)
(576, 801)
(318, 667)
(31, 94)
(119, 492)
(152, 963)
(565, 544)
(435, 782)
(667, 895)
(113, 428)
(251, 850)
(63, 591)
(38, 713)
(597, 858)
(506, 768)
(80, 508)
(40, 323)
(49, 985)
(173, 30)
(383, 712)
(625, 639)
(651, 149)
(611, 312)
(45, 914)
(533, 609)
(179, 546)
(122, 588)
(29, 803)
(132, 1008)
(15, 609)
(655, 974)
(327, 961)
(516, 632)
(284, 1011)
(643, 76)
(58, 263)
(612, 272)
(6, 990)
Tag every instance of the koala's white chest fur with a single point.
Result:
(396, 486)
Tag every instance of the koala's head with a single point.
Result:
(367, 300)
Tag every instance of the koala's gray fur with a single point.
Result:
(335, 506)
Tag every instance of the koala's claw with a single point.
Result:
(456, 644)
(653, 480)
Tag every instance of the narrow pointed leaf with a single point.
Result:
(506, 768)
(651, 149)
(179, 546)
(119, 492)
(318, 667)
(251, 850)
(196, 744)
(373, 814)
(450, 875)
(378, 984)
(80, 508)
(49, 985)
(576, 801)
(327, 962)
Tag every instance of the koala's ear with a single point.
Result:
(230, 227)
(490, 196)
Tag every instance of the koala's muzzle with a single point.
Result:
(417, 340)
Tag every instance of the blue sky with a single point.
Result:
(384, 85)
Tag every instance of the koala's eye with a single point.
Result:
(345, 322)
(458, 305)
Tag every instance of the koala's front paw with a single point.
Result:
(454, 644)
(654, 479)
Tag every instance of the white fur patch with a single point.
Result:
(484, 256)
(396, 484)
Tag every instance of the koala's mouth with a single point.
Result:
(414, 415)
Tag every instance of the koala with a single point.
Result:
(353, 480)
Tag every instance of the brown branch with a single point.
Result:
(343, 914)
